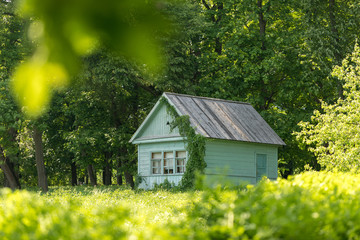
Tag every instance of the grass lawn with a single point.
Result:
(146, 208)
(311, 205)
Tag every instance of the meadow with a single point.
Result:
(142, 208)
(311, 205)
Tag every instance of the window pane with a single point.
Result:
(168, 171)
(180, 165)
(181, 154)
(169, 166)
(156, 164)
(156, 155)
(168, 154)
(180, 162)
(168, 163)
(180, 169)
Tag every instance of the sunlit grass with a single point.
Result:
(146, 207)
(313, 205)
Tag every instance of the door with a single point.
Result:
(261, 166)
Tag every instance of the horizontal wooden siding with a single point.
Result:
(237, 159)
(158, 125)
(144, 164)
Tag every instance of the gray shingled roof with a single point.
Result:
(222, 119)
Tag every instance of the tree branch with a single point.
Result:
(205, 4)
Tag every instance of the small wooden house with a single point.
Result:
(237, 139)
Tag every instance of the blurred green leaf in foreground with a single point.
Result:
(66, 30)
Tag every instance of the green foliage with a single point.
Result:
(277, 56)
(95, 213)
(281, 65)
(309, 206)
(41, 219)
(182, 49)
(67, 30)
(194, 144)
(312, 205)
(166, 185)
(333, 133)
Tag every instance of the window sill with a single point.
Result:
(163, 175)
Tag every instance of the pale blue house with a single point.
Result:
(238, 140)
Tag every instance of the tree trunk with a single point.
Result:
(262, 24)
(216, 16)
(8, 167)
(6, 182)
(39, 156)
(107, 171)
(73, 174)
(119, 176)
(336, 43)
(92, 175)
(218, 43)
(11, 179)
(129, 179)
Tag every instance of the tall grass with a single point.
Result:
(309, 206)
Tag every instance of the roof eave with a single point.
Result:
(243, 141)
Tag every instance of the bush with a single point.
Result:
(25, 215)
(309, 206)
(333, 132)
(312, 205)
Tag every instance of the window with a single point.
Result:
(169, 162)
(156, 163)
(180, 161)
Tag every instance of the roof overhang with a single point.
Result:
(157, 139)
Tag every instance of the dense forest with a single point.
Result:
(277, 55)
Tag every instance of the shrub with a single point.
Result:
(312, 205)
(25, 215)
(309, 206)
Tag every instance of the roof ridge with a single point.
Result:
(208, 98)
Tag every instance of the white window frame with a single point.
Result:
(174, 159)
(170, 160)
(155, 160)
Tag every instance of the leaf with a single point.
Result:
(34, 82)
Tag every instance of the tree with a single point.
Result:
(39, 157)
(330, 30)
(93, 121)
(334, 133)
(272, 57)
(67, 30)
(14, 47)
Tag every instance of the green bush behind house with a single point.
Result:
(312, 205)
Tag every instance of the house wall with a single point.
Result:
(144, 164)
(237, 160)
(157, 126)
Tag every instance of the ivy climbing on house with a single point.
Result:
(194, 145)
